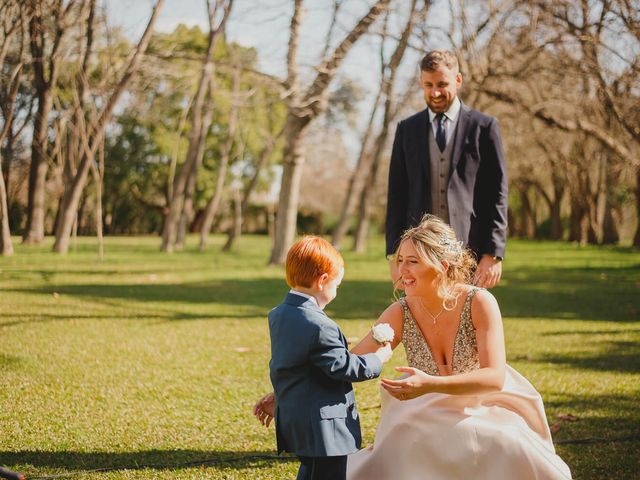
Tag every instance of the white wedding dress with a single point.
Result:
(496, 436)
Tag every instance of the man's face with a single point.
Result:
(440, 87)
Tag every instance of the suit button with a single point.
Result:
(442, 207)
(442, 159)
(442, 175)
(441, 191)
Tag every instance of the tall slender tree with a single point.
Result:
(12, 25)
(304, 105)
(218, 14)
(91, 130)
(50, 22)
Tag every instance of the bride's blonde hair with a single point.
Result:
(437, 246)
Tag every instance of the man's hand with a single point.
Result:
(384, 353)
(488, 272)
(264, 409)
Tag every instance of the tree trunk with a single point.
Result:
(6, 247)
(636, 237)
(99, 176)
(225, 156)
(69, 207)
(610, 233)
(7, 154)
(262, 160)
(236, 229)
(201, 120)
(183, 223)
(356, 183)
(362, 181)
(362, 226)
(34, 232)
(187, 208)
(38, 30)
(92, 135)
(556, 212)
(576, 220)
(271, 221)
(527, 220)
(287, 211)
(303, 107)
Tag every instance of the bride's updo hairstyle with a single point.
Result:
(437, 246)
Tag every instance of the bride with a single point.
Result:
(459, 411)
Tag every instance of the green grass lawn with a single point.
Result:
(146, 365)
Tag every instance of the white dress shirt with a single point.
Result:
(450, 119)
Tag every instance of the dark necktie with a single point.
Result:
(441, 137)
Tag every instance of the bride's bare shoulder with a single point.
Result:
(392, 314)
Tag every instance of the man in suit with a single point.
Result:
(448, 161)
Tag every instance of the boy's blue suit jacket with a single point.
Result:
(311, 370)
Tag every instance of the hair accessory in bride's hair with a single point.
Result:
(453, 247)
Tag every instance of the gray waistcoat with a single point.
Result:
(440, 166)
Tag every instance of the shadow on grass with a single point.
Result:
(603, 442)
(584, 294)
(161, 315)
(603, 416)
(151, 459)
(8, 362)
(616, 356)
(578, 293)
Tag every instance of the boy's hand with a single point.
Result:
(384, 353)
(264, 409)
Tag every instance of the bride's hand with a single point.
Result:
(412, 384)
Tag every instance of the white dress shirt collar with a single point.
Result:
(451, 114)
(305, 295)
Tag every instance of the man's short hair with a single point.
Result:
(435, 59)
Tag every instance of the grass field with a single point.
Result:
(146, 365)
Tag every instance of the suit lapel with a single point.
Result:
(461, 135)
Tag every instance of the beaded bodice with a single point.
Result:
(465, 348)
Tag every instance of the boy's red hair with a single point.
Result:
(309, 258)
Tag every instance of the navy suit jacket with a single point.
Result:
(311, 371)
(477, 188)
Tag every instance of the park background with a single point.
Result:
(159, 157)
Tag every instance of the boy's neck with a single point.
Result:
(312, 292)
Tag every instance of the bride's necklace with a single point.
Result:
(433, 317)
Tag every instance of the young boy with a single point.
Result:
(311, 367)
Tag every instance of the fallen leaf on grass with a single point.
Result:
(562, 418)
(567, 417)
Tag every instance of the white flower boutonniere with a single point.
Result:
(382, 333)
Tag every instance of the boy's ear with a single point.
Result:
(322, 279)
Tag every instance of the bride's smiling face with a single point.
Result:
(416, 276)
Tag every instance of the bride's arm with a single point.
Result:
(487, 320)
(393, 316)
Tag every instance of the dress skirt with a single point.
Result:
(495, 436)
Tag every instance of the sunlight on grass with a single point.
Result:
(154, 359)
